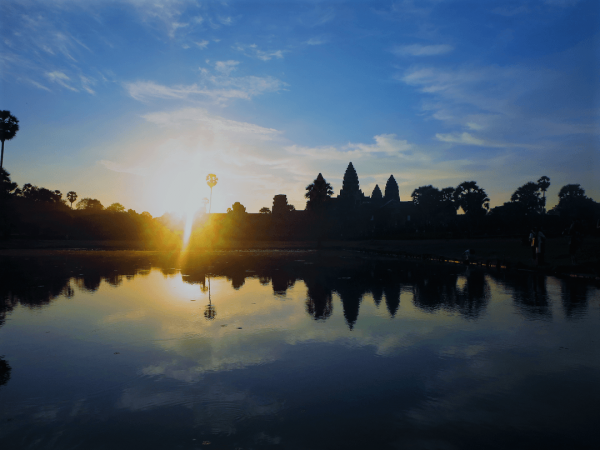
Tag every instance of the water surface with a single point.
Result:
(298, 350)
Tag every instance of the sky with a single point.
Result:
(137, 101)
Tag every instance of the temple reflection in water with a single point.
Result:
(35, 282)
(251, 349)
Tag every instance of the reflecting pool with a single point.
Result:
(292, 350)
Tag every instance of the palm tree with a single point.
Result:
(72, 196)
(211, 181)
(9, 125)
(471, 198)
(544, 184)
(318, 194)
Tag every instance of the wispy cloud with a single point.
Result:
(61, 79)
(86, 83)
(491, 89)
(226, 67)
(38, 85)
(386, 145)
(174, 26)
(317, 40)
(202, 44)
(422, 50)
(252, 50)
(318, 16)
(218, 89)
(468, 139)
(201, 117)
(225, 20)
(463, 138)
(474, 126)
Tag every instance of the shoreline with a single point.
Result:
(494, 253)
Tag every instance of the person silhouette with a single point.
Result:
(540, 247)
(532, 244)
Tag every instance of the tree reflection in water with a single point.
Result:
(35, 282)
(209, 311)
(4, 371)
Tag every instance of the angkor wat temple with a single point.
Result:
(351, 214)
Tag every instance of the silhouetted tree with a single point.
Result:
(529, 198)
(427, 198)
(471, 198)
(91, 204)
(116, 207)
(574, 204)
(318, 194)
(433, 205)
(237, 208)
(391, 190)
(42, 195)
(265, 210)
(544, 184)
(571, 191)
(9, 125)
(7, 187)
(71, 196)
(7, 213)
(448, 206)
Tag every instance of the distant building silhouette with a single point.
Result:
(376, 195)
(350, 195)
(280, 205)
(391, 190)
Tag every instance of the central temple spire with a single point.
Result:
(391, 190)
(351, 192)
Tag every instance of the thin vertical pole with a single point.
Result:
(210, 204)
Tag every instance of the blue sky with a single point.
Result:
(136, 101)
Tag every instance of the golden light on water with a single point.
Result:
(187, 230)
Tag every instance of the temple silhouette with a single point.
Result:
(350, 214)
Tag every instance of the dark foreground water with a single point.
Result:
(292, 350)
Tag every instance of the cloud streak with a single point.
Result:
(253, 51)
(216, 89)
(422, 50)
(201, 117)
(386, 145)
(61, 79)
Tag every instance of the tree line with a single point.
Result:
(37, 212)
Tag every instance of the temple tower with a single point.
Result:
(391, 190)
(351, 194)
